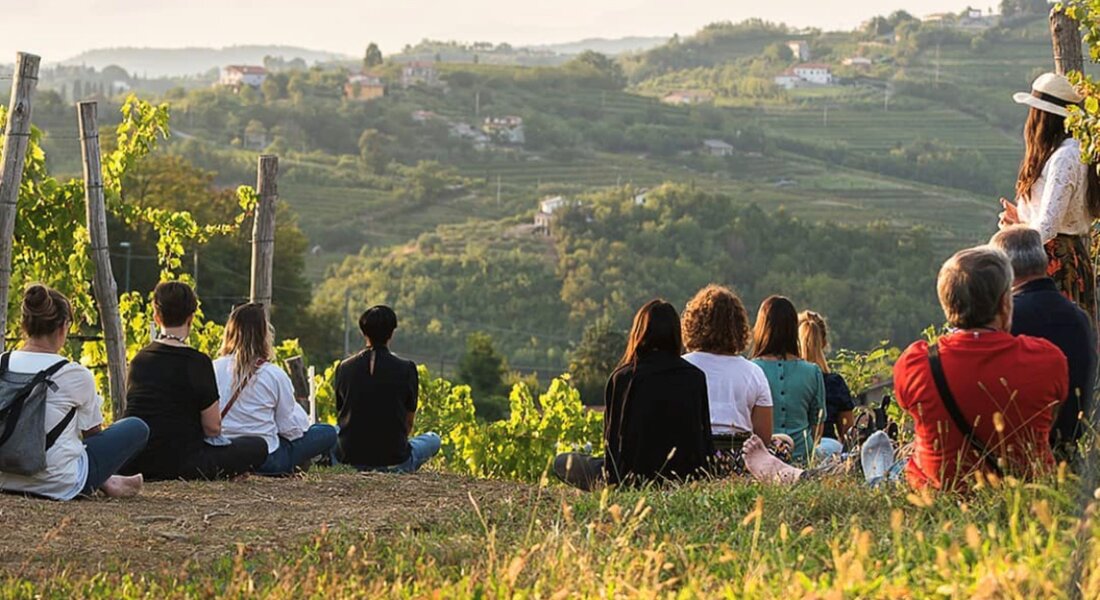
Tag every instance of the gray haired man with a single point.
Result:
(1039, 310)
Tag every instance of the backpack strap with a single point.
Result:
(956, 414)
(53, 434)
(4, 360)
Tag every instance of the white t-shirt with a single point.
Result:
(67, 461)
(265, 408)
(734, 386)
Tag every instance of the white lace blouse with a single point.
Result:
(1057, 203)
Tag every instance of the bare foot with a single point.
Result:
(766, 467)
(119, 486)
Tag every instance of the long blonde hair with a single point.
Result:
(249, 339)
(813, 339)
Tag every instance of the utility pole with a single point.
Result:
(477, 104)
(129, 255)
(498, 190)
(937, 64)
(195, 269)
(347, 322)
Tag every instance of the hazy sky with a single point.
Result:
(59, 29)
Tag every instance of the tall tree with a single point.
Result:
(595, 357)
(373, 57)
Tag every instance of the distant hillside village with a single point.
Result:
(806, 72)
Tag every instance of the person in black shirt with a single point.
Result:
(376, 396)
(656, 412)
(1040, 310)
(172, 388)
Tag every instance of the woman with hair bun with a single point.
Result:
(84, 457)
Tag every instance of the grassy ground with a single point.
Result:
(434, 535)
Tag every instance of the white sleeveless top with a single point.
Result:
(1058, 203)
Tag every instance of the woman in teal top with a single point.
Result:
(798, 387)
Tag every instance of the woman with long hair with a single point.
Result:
(257, 397)
(798, 387)
(1057, 194)
(716, 332)
(656, 417)
(813, 340)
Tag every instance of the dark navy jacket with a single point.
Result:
(1040, 310)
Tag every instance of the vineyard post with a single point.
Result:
(104, 286)
(263, 230)
(1065, 36)
(14, 155)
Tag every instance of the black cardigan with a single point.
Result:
(654, 409)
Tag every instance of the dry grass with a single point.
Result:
(177, 524)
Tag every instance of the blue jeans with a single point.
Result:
(111, 448)
(318, 440)
(421, 449)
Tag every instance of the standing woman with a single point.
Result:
(1057, 194)
(798, 388)
(813, 338)
(257, 397)
(656, 417)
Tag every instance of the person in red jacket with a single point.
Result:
(1004, 390)
(1007, 388)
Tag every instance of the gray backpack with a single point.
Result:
(23, 436)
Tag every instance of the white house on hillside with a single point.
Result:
(419, 73)
(237, 75)
(547, 207)
(508, 130)
(717, 148)
(817, 73)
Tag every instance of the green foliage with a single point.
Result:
(372, 57)
(519, 447)
(595, 357)
(483, 369)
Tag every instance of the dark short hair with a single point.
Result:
(45, 310)
(175, 302)
(377, 324)
(776, 330)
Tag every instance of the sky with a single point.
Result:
(60, 29)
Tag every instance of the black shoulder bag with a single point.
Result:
(956, 414)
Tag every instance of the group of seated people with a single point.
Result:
(1002, 392)
(188, 417)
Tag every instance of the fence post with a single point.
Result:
(16, 139)
(1065, 36)
(263, 230)
(104, 286)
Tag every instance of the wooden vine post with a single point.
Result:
(17, 136)
(1065, 35)
(263, 230)
(104, 286)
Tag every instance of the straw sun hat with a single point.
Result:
(1050, 93)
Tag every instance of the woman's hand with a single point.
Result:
(1009, 216)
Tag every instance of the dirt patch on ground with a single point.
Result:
(176, 523)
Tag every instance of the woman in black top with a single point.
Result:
(656, 415)
(173, 389)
